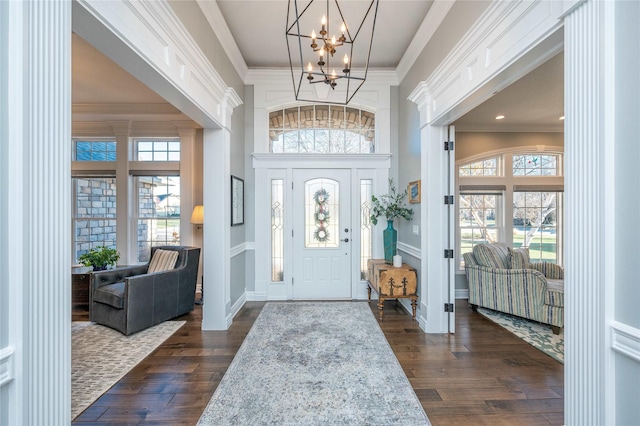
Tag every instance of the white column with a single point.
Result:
(187, 178)
(39, 188)
(189, 197)
(435, 236)
(124, 193)
(588, 188)
(434, 240)
(217, 228)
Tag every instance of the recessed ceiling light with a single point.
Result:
(561, 117)
(499, 117)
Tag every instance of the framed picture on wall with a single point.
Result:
(237, 201)
(413, 189)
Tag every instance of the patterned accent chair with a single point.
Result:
(504, 279)
(130, 299)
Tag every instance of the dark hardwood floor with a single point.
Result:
(481, 375)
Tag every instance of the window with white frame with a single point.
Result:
(94, 150)
(158, 213)
(154, 195)
(479, 218)
(535, 165)
(321, 129)
(535, 223)
(157, 150)
(277, 230)
(94, 213)
(366, 227)
(486, 167)
(514, 198)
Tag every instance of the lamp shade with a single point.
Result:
(197, 217)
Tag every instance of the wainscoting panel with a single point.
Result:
(625, 340)
(6, 365)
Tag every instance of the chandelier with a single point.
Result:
(324, 58)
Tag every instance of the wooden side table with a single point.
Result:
(80, 278)
(392, 283)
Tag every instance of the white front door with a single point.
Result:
(322, 234)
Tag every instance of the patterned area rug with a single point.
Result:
(101, 356)
(534, 333)
(315, 363)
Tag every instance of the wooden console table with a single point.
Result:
(392, 283)
(80, 277)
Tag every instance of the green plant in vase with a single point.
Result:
(100, 258)
(390, 206)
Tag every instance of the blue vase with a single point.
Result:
(390, 238)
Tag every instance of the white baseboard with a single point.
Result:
(462, 293)
(235, 309)
(255, 296)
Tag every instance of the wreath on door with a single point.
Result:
(321, 215)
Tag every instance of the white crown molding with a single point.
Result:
(128, 113)
(158, 126)
(487, 50)
(212, 13)
(157, 35)
(121, 108)
(430, 24)
(625, 340)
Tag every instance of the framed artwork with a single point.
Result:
(237, 201)
(413, 189)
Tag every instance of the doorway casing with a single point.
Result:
(281, 166)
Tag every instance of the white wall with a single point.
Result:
(627, 206)
(473, 144)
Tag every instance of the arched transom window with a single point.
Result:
(321, 129)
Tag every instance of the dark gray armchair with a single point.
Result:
(128, 299)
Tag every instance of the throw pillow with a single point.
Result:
(520, 258)
(494, 255)
(162, 260)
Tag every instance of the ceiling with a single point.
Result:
(532, 103)
(260, 34)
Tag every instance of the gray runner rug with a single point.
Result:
(315, 363)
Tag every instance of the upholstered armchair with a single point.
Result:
(130, 299)
(505, 280)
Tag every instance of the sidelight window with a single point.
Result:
(277, 230)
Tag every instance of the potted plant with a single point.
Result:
(390, 206)
(99, 257)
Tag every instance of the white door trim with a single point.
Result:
(280, 166)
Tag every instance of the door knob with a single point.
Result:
(346, 240)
